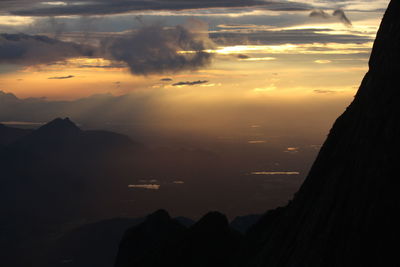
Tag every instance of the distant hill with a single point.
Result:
(56, 174)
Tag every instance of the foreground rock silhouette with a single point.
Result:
(346, 212)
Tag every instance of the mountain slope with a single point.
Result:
(345, 214)
(9, 135)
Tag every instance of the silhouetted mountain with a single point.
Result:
(140, 242)
(185, 221)
(346, 212)
(64, 135)
(243, 223)
(56, 174)
(9, 135)
(209, 242)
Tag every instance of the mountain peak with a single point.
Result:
(60, 126)
(159, 215)
(212, 221)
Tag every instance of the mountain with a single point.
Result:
(244, 223)
(162, 241)
(346, 212)
(59, 158)
(151, 236)
(63, 134)
(9, 135)
(95, 244)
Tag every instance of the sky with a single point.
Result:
(201, 64)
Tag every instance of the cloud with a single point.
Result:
(338, 13)
(325, 91)
(342, 16)
(103, 7)
(242, 56)
(61, 77)
(155, 49)
(318, 13)
(322, 61)
(166, 80)
(145, 186)
(286, 36)
(189, 83)
(37, 49)
(149, 50)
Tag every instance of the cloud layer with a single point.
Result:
(189, 83)
(149, 50)
(37, 49)
(101, 7)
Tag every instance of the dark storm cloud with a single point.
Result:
(242, 56)
(99, 7)
(318, 13)
(189, 83)
(338, 13)
(61, 77)
(150, 50)
(36, 49)
(156, 49)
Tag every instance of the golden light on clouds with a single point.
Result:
(323, 61)
(15, 20)
(307, 49)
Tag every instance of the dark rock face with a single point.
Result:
(152, 236)
(243, 223)
(345, 214)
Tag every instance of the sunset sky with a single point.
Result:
(185, 57)
(244, 92)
